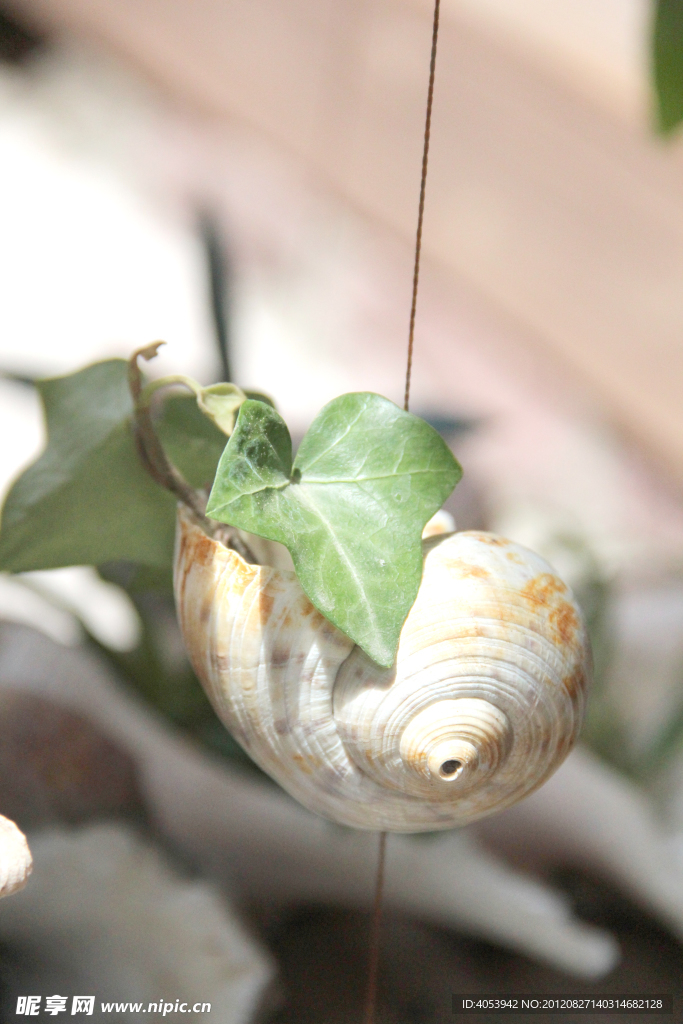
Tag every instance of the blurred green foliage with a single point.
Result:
(667, 64)
(87, 499)
(606, 730)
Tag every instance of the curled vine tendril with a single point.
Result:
(153, 456)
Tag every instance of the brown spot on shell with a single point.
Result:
(468, 571)
(565, 622)
(300, 762)
(543, 590)
(489, 538)
(266, 602)
(197, 547)
(547, 592)
(512, 556)
(194, 549)
(279, 656)
(206, 609)
(575, 683)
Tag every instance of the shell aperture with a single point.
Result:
(483, 703)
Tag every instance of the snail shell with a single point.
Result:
(483, 703)
(16, 863)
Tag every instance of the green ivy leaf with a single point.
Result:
(351, 509)
(191, 441)
(220, 403)
(87, 499)
(667, 64)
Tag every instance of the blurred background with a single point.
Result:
(249, 170)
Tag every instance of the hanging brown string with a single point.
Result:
(373, 960)
(373, 965)
(421, 208)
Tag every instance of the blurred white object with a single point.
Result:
(441, 522)
(15, 858)
(103, 608)
(57, 601)
(90, 266)
(106, 913)
(250, 836)
(19, 603)
(647, 615)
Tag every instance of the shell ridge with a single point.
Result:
(225, 624)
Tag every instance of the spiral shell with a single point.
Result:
(483, 703)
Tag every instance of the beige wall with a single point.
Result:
(557, 208)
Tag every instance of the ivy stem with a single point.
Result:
(149, 446)
(153, 456)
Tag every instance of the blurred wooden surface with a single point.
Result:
(557, 210)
